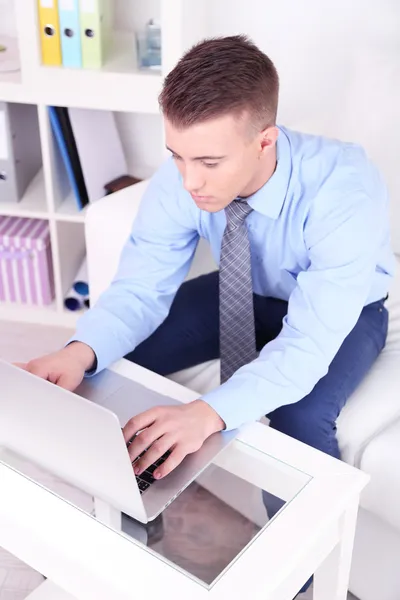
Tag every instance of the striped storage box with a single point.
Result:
(26, 268)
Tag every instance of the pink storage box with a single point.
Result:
(26, 268)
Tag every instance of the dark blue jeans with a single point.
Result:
(190, 336)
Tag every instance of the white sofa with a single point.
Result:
(368, 428)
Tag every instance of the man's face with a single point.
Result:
(218, 159)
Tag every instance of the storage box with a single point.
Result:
(26, 268)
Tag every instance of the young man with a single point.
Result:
(299, 227)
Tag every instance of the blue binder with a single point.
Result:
(70, 33)
(62, 130)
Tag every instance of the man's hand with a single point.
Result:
(180, 429)
(66, 368)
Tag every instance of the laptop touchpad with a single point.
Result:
(132, 399)
(100, 386)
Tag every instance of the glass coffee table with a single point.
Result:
(216, 540)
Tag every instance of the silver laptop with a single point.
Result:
(78, 437)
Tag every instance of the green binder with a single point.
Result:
(95, 17)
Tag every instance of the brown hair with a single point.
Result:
(219, 76)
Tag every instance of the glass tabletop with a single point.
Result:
(220, 514)
(213, 521)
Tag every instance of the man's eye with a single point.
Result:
(210, 165)
(176, 157)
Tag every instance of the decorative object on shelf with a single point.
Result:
(78, 295)
(26, 268)
(20, 153)
(9, 55)
(49, 32)
(120, 183)
(148, 46)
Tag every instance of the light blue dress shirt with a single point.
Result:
(319, 237)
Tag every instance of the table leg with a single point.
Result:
(331, 579)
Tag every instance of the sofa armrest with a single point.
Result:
(107, 227)
(381, 459)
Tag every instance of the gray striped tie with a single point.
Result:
(236, 312)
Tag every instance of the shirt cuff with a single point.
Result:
(230, 404)
(93, 370)
(96, 344)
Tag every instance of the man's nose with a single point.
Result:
(192, 181)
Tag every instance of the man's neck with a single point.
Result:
(265, 171)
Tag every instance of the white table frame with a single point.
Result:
(84, 559)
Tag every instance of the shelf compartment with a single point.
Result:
(33, 203)
(72, 249)
(67, 211)
(11, 78)
(10, 59)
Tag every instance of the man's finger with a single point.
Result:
(139, 422)
(156, 451)
(67, 382)
(21, 365)
(144, 440)
(171, 463)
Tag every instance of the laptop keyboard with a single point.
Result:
(146, 479)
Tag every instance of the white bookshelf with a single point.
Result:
(119, 86)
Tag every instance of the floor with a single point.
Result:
(191, 537)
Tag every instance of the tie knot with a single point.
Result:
(236, 212)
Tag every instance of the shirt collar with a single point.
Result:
(269, 199)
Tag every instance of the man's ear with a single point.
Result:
(268, 138)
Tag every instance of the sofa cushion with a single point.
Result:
(202, 378)
(376, 402)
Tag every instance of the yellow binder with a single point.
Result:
(49, 32)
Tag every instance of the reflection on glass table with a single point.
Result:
(212, 522)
